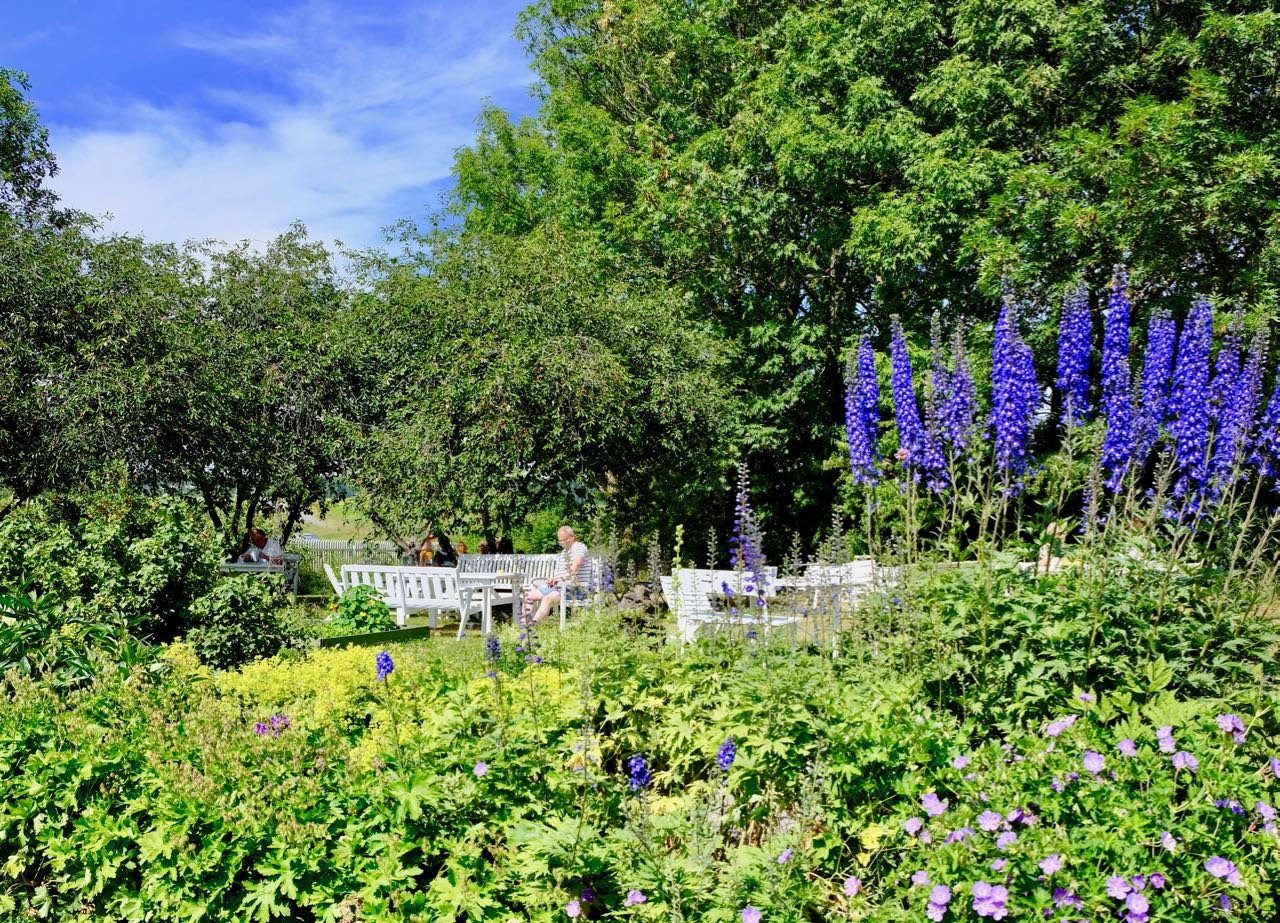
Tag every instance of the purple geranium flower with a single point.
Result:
(939, 897)
(1118, 886)
(912, 825)
(933, 806)
(634, 896)
(1225, 869)
(852, 885)
(750, 915)
(1093, 761)
(1184, 760)
(1006, 839)
(1056, 728)
(1127, 747)
(990, 821)
(990, 900)
(920, 878)
(1051, 864)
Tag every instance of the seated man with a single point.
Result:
(262, 550)
(575, 569)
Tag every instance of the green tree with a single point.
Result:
(26, 160)
(535, 369)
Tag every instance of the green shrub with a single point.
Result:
(139, 561)
(361, 610)
(1000, 644)
(41, 640)
(241, 619)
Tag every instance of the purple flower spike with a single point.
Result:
(1014, 396)
(385, 665)
(905, 409)
(859, 431)
(1157, 366)
(1073, 357)
(728, 751)
(1117, 402)
(1189, 404)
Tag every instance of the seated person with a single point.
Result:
(445, 556)
(462, 548)
(575, 569)
(262, 550)
(484, 547)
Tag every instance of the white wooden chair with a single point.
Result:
(333, 579)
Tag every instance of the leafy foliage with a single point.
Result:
(240, 619)
(113, 558)
(361, 609)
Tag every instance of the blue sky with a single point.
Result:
(229, 119)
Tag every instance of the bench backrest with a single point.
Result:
(425, 586)
(533, 566)
(691, 600)
(384, 580)
(857, 572)
(714, 582)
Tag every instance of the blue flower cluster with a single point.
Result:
(638, 773)
(860, 438)
(385, 665)
(1189, 404)
(1117, 401)
(1014, 394)
(1074, 332)
(1153, 403)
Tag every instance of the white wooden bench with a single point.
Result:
(413, 589)
(690, 600)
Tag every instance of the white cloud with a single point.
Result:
(353, 119)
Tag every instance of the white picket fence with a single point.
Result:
(336, 552)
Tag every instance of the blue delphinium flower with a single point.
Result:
(746, 542)
(869, 386)
(492, 649)
(1162, 338)
(1266, 445)
(638, 771)
(725, 757)
(1074, 334)
(932, 461)
(1117, 401)
(905, 410)
(1238, 409)
(1013, 395)
(960, 408)
(861, 448)
(1189, 404)
(385, 665)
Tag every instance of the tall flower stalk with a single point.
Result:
(861, 447)
(1013, 397)
(1074, 333)
(1153, 398)
(1189, 405)
(906, 411)
(1117, 401)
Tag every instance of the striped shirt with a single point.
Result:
(586, 573)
